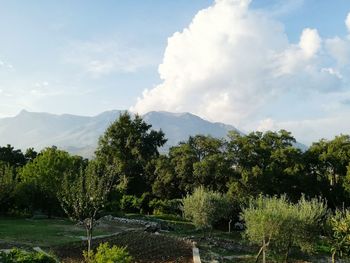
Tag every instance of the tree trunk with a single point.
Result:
(287, 252)
(89, 227)
(258, 256)
(333, 257)
(264, 252)
(229, 225)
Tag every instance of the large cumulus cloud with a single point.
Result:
(231, 60)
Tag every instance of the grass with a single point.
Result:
(61, 237)
(42, 232)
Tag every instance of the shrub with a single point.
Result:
(205, 207)
(166, 207)
(20, 256)
(130, 204)
(107, 254)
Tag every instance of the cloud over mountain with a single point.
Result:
(232, 60)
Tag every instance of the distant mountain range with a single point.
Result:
(79, 134)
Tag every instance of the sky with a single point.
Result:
(258, 65)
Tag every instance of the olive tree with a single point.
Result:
(84, 193)
(205, 207)
(274, 222)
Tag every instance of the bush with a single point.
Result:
(20, 256)
(166, 207)
(204, 207)
(130, 204)
(107, 254)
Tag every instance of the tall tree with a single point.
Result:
(327, 161)
(7, 185)
(267, 162)
(11, 156)
(130, 144)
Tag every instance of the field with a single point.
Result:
(63, 239)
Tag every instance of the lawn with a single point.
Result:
(45, 232)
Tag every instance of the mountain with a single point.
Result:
(79, 134)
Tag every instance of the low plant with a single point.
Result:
(106, 254)
(21, 256)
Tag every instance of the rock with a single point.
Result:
(238, 226)
(152, 228)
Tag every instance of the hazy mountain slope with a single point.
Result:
(79, 134)
(179, 126)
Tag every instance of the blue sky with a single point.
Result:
(85, 57)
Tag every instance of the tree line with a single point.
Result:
(146, 181)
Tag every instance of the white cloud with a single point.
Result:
(311, 130)
(347, 21)
(230, 61)
(105, 57)
(310, 42)
(339, 49)
(6, 65)
(266, 125)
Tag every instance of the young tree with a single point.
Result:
(83, 194)
(205, 207)
(273, 222)
(339, 233)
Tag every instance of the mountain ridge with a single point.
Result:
(79, 134)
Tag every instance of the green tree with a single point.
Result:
(273, 222)
(267, 163)
(327, 162)
(83, 194)
(339, 233)
(130, 144)
(165, 185)
(199, 161)
(11, 156)
(205, 207)
(7, 185)
(41, 179)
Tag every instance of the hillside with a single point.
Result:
(79, 134)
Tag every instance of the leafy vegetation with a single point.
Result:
(204, 207)
(276, 223)
(20, 256)
(106, 254)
